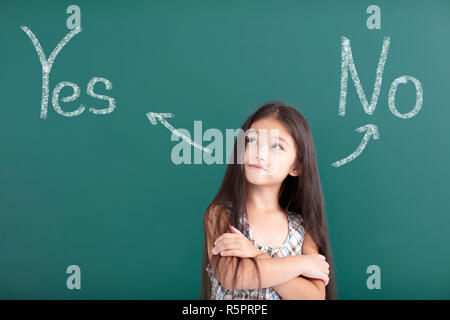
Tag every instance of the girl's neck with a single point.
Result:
(262, 200)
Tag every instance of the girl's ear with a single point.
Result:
(296, 171)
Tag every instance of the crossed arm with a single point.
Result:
(283, 273)
(300, 287)
(273, 271)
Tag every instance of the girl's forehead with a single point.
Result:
(269, 124)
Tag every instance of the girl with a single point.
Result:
(265, 232)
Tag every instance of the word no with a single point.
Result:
(349, 63)
(371, 130)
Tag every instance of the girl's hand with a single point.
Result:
(315, 266)
(235, 244)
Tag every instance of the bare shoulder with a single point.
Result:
(309, 246)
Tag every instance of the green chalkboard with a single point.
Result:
(87, 180)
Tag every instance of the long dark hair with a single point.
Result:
(301, 194)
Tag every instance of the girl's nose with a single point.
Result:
(262, 152)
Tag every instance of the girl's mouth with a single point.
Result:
(256, 166)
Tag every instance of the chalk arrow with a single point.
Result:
(371, 131)
(153, 117)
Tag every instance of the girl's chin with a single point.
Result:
(255, 172)
(259, 179)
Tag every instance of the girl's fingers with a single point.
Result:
(226, 244)
(234, 253)
(326, 272)
(234, 230)
(223, 242)
(230, 235)
(225, 236)
(326, 278)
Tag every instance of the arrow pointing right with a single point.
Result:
(371, 131)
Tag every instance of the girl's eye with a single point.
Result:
(275, 146)
(279, 146)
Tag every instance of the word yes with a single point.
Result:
(47, 67)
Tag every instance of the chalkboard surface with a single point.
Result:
(89, 184)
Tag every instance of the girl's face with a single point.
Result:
(271, 147)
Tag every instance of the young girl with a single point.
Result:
(265, 232)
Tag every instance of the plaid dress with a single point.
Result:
(292, 246)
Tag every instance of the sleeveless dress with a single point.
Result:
(292, 246)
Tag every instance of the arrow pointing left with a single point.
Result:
(154, 117)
